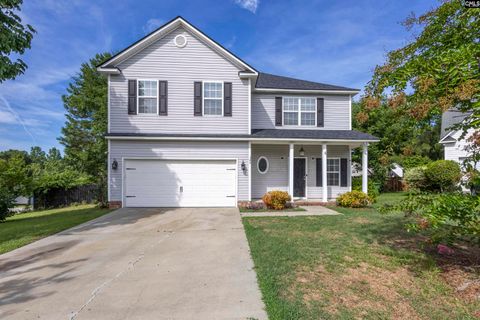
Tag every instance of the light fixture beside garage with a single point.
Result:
(114, 164)
(243, 166)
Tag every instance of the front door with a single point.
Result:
(299, 177)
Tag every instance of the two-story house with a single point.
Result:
(191, 124)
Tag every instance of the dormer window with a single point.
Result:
(299, 111)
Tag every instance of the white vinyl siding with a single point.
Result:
(336, 112)
(181, 67)
(120, 149)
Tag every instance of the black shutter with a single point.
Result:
(227, 99)
(163, 98)
(319, 172)
(197, 98)
(320, 112)
(278, 111)
(343, 172)
(132, 96)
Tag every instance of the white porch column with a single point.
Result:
(365, 168)
(324, 174)
(291, 156)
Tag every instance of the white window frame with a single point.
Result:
(138, 97)
(203, 98)
(258, 163)
(338, 172)
(299, 118)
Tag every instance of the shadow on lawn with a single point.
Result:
(23, 287)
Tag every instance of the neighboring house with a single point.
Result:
(190, 124)
(451, 139)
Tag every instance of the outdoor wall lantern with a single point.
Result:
(114, 164)
(301, 152)
(243, 166)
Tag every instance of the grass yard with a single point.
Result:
(24, 228)
(359, 265)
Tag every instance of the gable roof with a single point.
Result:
(450, 118)
(109, 65)
(270, 81)
(265, 82)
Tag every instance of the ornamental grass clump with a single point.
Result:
(276, 200)
(354, 199)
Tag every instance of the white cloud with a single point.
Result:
(230, 43)
(250, 5)
(152, 24)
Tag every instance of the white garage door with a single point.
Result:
(180, 183)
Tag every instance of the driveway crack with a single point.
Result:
(97, 290)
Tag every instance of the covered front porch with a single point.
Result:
(314, 171)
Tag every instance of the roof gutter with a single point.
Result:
(106, 70)
(236, 139)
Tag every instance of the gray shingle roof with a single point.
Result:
(270, 81)
(450, 118)
(266, 133)
(313, 134)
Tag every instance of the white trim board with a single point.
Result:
(258, 140)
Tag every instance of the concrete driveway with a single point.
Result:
(136, 264)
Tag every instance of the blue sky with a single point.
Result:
(337, 42)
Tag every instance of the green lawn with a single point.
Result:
(359, 265)
(24, 228)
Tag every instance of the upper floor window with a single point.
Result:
(213, 98)
(147, 96)
(333, 172)
(299, 111)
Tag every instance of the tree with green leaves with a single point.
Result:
(439, 69)
(15, 179)
(15, 38)
(84, 131)
(402, 138)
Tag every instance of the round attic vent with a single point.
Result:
(180, 41)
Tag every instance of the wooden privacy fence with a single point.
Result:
(394, 184)
(58, 197)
